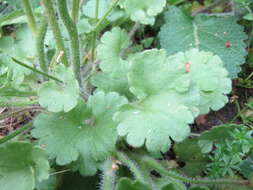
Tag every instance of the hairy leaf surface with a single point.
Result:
(151, 73)
(114, 69)
(206, 72)
(220, 35)
(86, 133)
(156, 119)
(58, 97)
(21, 165)
(143, 11)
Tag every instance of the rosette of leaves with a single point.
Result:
(60, 96)
(22, 165)
(143, 11)
(157, 115)
(167, 89)
(220, 35)
(85, 135)
(114, 69)
(206, 72)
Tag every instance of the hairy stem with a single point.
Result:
(30, 16)
(108, 175)
(40, 38)
(94, 35)
(15, 133)
(75, 10)
(153, 164)
(132, 165)
(49, 9)
(73, 35)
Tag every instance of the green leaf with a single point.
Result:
(89, 8)
(246, 167)
(195, 161)
(15, 72)
(112, 43)
(217, 134)
(48, 184)
(128, 184)
(248, 16)
(156, 119)
(206, 71)
(220, 35)
(86, 134)
(114, 69)
(144, 81)
(21, 165)
(143, 11)
(58, 97)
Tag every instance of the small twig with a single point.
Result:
(16, 133)
(60, 172)
(20, 111)
(130, 36)
(206, 9)
(239, 113)
(133, 30)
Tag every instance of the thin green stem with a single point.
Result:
(153, 164)
(36, 70)
(42, 73)
(40, 39)
(239, 112)
(30, 16)
(249, 77)
(73, 35)
(14, 93)
(49, 9)
(17, 104)
(75, 10)
(15, 133)
(94, 37)
(105, 15)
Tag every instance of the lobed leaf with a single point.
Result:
(156, 119)
(86, 134)
(58, 97)
(114, 69)
(206, 72)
